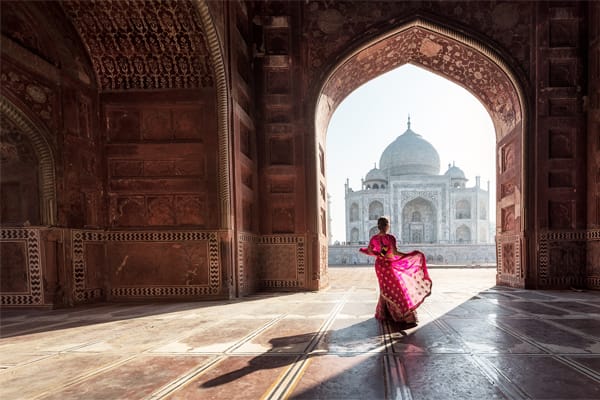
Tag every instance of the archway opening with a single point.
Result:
(476, 68)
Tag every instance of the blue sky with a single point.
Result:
(371, 117)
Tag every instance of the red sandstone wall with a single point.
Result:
(593, 148)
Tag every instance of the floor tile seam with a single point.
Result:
(452, 333)
(287, 381)
(24, 331)
(526, 314)
(590, 373)
(184, 379)
(6, 367)
(508, 388)
(511, 331)
(151, 349)
(395, 375)
(572, 330)
(549, 304)
(84, 377)
(253, 334)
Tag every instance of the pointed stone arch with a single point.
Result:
(38, 137)
(479, 69)
(217, 59)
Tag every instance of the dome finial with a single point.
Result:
(408, 121)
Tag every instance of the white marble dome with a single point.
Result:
(410, 154)
(455, 173)
(375, 175)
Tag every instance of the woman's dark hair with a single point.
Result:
(382, 223)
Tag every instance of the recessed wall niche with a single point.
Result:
(281, 151)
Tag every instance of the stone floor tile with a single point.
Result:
(50, 373)
(447, 376)
(554, 339)
(482, 337)
(235, 378)
(352, 336)
(545, 377)
(426, 338)
(135, 379)
(286, 336)
(337, 377)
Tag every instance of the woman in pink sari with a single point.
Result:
(404, 282)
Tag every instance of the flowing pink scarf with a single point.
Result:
(404, 281)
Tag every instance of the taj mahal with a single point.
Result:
(423, 206)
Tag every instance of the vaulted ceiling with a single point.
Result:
(142, 44)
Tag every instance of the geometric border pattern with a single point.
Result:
(31, 237)
(544, 239)
(213, 286)
(78, 239)
(300, 258)
(515, 280)
(244, 237)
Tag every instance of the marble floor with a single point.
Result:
(474, 341)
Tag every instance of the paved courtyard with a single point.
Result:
(475, 341)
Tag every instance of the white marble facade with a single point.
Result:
(423, 206)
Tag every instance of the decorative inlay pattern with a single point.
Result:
(407, 196)
(244, 239)
(79, 238)
(516, 276)
(143, 45)
(35, 295)
(450, 54)
(545, 240)
(38, 97)
(269, 243)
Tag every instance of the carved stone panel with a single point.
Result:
(283, 220)
(508, 219)
(566, 259)
(508, 258)
(560, 214)
(281, 151)
(148, 264)
(561, 144)
(14, 274)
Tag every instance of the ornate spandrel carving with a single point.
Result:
(40, 98)
(407, 196)
(560, 214)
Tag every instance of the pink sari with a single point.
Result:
(404, 282)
